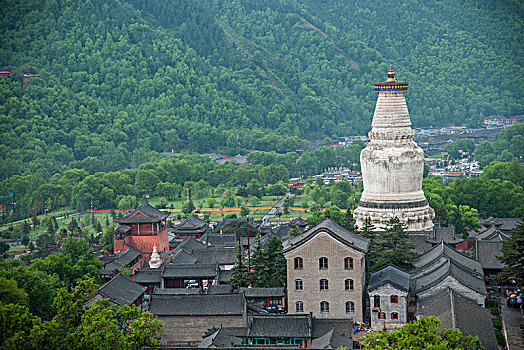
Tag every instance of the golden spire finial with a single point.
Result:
(391, 75)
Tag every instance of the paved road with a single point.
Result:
(277, 206)
(512, 318)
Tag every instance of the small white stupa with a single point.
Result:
(155, 262)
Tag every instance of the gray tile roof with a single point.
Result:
(197, 305)
(144, 214)
(191, 225)
(121, 290)
(121, 229)
(190, 271)
(220, 338)
(505, 224)
(224, 276)
(190, 243)
(219, 289)
(487, 251)
(181, 257)
(177, 291)
(492, 233)
(147, 276)
(457, 312)
(446, 234)
(331, 340)
(263, 292)
(343, 326)
(421, 243)
(127, 257)
(444, 251)
(338, 232)
(435, 277)
(299, 221)
(284, 326)
(223, 256)
(220, 240)
(392, 275)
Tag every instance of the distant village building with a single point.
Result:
(326, 272)
(142, 229)
(190, 227)
(392, 165)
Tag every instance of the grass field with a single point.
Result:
(64, 215)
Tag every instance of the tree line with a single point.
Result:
(122, 82)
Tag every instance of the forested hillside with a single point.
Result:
(123, 81)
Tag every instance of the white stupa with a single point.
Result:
(392, 165)
(155, 261)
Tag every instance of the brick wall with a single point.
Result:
(387, 307)
(323, 245)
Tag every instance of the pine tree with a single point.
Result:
(50, 227)
(368, 229)
(25, 228)
(73, 224)
(239, 272)
(107, 221)
(513, 255)
(393, 247)
(276, 263)
(35, 220)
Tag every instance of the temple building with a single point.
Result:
(141, 230)
(392, 165)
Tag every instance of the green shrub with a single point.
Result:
(494, 311)
(492, 303)
(500, 338)
(497, 323)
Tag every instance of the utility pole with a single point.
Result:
(248, 246)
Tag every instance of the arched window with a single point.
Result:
(348, 284)
(350, 307)
(299, 306)
(299, 264)
(323, 263)
(394, 299)
(299, 285)
(324, 284)
(381, 315)
(348, 263)
(394, 315)
(324, 306)
(376, 300)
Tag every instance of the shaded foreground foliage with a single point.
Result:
(422, 334)
(101, 326)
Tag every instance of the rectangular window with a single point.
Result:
(299, 285)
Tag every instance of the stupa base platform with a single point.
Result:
(417, 216)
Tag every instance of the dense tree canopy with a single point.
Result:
(121, 82)
(422, 334)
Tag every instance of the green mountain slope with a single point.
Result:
(122, 81)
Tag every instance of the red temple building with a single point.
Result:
(140, 230)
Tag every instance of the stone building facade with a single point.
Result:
(326, 272)
(392, 165)
(388, 291)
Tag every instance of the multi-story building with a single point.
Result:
(326, 272)
(142, 229)
(389, 297)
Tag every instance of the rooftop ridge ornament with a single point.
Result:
(391, 84)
